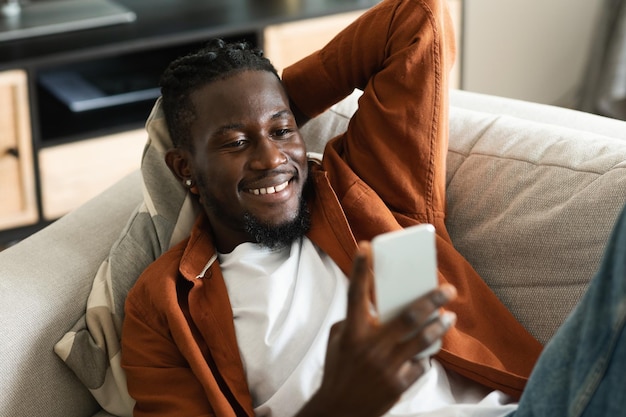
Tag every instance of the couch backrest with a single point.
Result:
(530, 204)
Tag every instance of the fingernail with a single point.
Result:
(448, 318)
(448, 291)
(360, 252)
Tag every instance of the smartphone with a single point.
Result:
(405, 267)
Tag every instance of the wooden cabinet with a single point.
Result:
(75, 172)
(18, 206)
(286, 43)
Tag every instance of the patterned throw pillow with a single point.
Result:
(92, 347)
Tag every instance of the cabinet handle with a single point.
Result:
(13, 152)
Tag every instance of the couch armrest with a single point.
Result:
(44, 284)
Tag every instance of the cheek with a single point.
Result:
(215, 199)
(219, 179)
(298, 152)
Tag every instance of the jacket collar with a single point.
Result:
(200, 253)
(211, 313)
(330, 230)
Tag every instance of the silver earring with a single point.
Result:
(188, 183)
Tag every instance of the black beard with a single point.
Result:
(275, 237)
(269, 235)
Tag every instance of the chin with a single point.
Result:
(278, 234)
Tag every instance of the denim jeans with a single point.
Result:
(582, 370)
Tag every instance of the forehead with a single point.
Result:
(241, 95)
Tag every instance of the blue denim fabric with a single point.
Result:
(582, 371)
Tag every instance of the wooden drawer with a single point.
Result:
(18, 206)
(73, 173)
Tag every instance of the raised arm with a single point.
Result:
(399, 53)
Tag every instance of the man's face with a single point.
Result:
(248, 157)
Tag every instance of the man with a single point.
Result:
(240, 318)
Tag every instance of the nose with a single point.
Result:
(267, 154)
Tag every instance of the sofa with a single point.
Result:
(533, 194)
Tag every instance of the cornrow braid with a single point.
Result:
(215, 61)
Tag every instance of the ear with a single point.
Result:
(179, 162)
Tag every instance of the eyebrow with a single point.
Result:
(237, 126)
(280, 114)
(227, 128)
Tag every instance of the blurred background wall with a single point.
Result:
(535, 50)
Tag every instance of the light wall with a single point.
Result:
(533, 50)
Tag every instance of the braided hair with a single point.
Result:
(215, 61)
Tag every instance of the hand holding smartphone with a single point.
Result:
(405, 268)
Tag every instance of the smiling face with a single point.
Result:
(247, 157)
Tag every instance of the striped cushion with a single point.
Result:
(92, 347)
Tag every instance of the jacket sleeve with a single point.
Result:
(159, 378)
(399, 53)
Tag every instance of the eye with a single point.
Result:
(238, 143)
(283, 132)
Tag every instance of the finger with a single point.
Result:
(432, 332)
(336, 329)
(359, 290)
(412, 370)
(417, 314)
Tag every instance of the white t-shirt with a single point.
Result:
(284, 303)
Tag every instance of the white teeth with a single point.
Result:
(270, 190)
(281, 186)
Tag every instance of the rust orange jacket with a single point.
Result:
(387, 171)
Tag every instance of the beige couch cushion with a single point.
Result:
(531, 206)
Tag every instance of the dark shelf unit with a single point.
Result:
(163, 30)
(116, 75)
